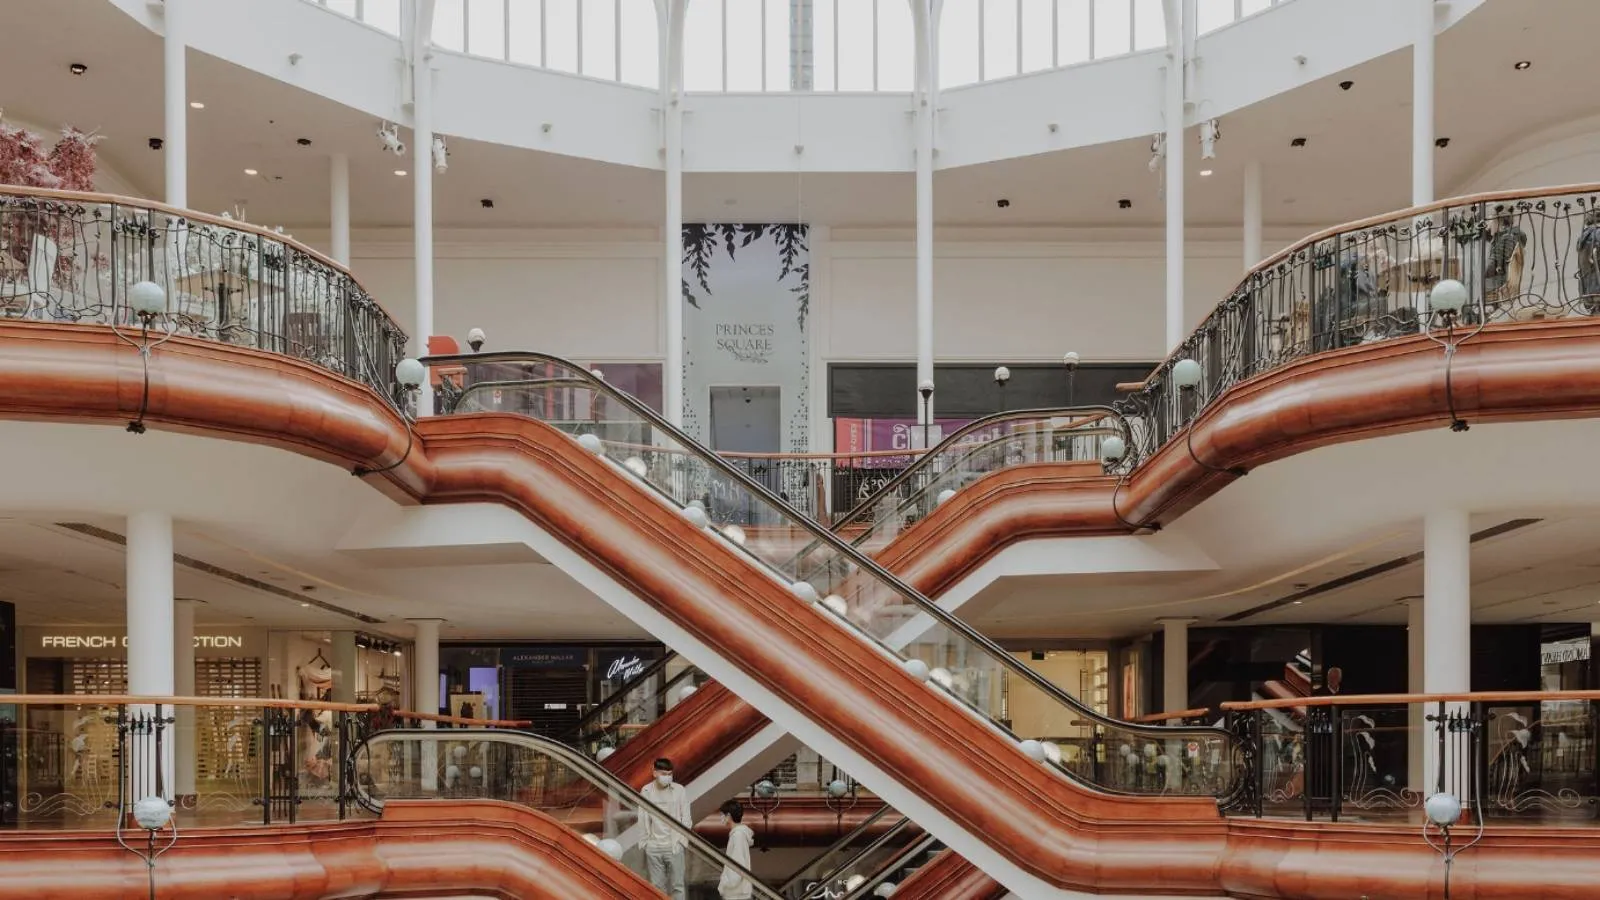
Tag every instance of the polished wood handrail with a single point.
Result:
(12, 190)
(141, 700)
(462, 720)
(1150, 718)
(1407, 699)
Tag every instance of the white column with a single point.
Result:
(422, 202)
(151, 629)
(1252, 214)
(1176, 330)
(183, 686)
(672, 227)
(1414, 685)
(425, 666)
(175, 105)
(1422, 105)
(339, 208)
(1446, 617)
(926, 113)
(1174, 664)
(346, 666)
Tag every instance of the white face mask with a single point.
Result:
(725, 821)
(663, 780)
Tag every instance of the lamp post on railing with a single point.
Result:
(1001, 376)
(1070, 360)
(926, 390)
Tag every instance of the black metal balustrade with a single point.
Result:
(1523, 257)
(68, 257)
(1515, 759)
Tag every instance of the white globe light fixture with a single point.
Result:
(152, 813)
(475, 339)
(604, 754)
(1032, 749)
(1113, 449)
(1186, 373)
(854, 881)
(916, 668)
(804, 591)
(942, 677)
(476, 772)
(734, 533)
(1002, 374)
(147, 299)
(637, 466)
(598, 375)
(591, 443)
(1444, 810)
(686, 691)
(925, 386)
(611, 847)
(884, 890)
(944, 496)
(766, 789)
(837, 788)
(696, 516)
(1448, 297)
(1070, 359)
(410, 373)
(836, 604)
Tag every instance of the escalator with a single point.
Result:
(833, 648)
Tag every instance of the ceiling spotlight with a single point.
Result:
(1002, 203)
(400, 172)
(1205, 173)
(1125, 204)
(1210, 133)
(304, 142)
(486, 203)
(441, 154)
(1523, 65)
(196, 104)
(1442, 143)
(1346, 85)
(389, 137)
(156, 143)
(251, 172)
(77, 68)
(1298, 142)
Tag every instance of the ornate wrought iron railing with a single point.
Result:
(72, 257)
(1512, 758)
(1522, 256)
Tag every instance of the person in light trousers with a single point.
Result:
(663, 845)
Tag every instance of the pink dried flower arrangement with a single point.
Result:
(69, 165)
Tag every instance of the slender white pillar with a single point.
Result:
(1176, 329)
(1446, 618)
(672, 226)
(1422, 105)
(339, 208)
(1416, 778)
(1174, 664)
(422, 201)
(1252, 213)
(425, 666)
(151, 629)
(926, 112)
(183, 686)
(346, 667)
(175, 104)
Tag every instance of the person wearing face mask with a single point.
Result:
(663, 846)
(735, 884)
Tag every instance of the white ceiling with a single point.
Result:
(1356, 163)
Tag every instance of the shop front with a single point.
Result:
(550, 685)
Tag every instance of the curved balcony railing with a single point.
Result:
(1523, 256)
(544, 775)
(859, 593)
(72, 257)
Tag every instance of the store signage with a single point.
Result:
(746, 342)
(544, 657)
(67, 642)
(1554, 654)
(625, 668)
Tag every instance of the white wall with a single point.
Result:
(1568, 153)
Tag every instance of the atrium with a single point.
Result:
(727, 449)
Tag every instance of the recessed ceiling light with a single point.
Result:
(1523, 65)
(400, 172)
(305, 604)
(196, 104)
(1298, 602)
(77, 68)
(251, 172)
(1205, 173)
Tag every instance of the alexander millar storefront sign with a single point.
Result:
(48, 642)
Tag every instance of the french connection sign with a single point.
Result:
(48, 641)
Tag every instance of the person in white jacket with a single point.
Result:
(735, 883)
(663, 846)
